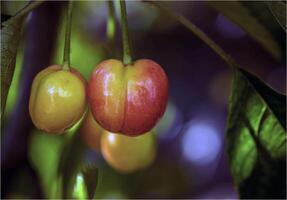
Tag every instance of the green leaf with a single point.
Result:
(72, 160)
(79, 190)
(242, 16)
(278, 9)
(256, 138)
(86, 183)
(10, 38)
(91, 180)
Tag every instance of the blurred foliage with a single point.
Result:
(167, 120)
(170, 124)
(13, 91)
(86, 183)
(110, 184)
(241, 14)
(79, 190)
(23, 185)
(256, 138)
(45, 153)
(164, 179)
(278, 9)
(90, 174)
(11, 7)
(71, 162)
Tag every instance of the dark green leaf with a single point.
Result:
(85, 183)
(90, 174)
(12, 7)
(256, 138)
(242, 16)
(79, 180)
(71, 163)
(10, 37)
(278, 9)
(4, 18)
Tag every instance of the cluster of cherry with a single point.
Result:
(125, 103)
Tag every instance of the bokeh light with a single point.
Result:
(201, 143)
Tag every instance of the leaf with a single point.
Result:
(86, 183)
(240, 15)
(278, 9)
(4, 17)
(256, 138)
(79, 190)
(11, 31)
(79, 180)
(71, 161)
(10, 38)
(91, 180)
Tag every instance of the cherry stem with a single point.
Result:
(127, 58)
(66, 57)
(111, 24)
(198, 33)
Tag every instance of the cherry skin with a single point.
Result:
(128, 99)
(58, 99)
(91, 132)
(128, 154)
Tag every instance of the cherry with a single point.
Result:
(58, 99)
(91, 132)
(128, 99)
(128, 154)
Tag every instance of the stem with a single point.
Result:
(127, 58)
(198, 33)
(111, 24)
(66, 58)
(26, 9)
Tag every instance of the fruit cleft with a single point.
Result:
(128, 99)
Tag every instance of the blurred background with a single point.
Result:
(191, 161)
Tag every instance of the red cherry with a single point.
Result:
(128, 99)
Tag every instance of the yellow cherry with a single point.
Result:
(128, 154)
(58, 99)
